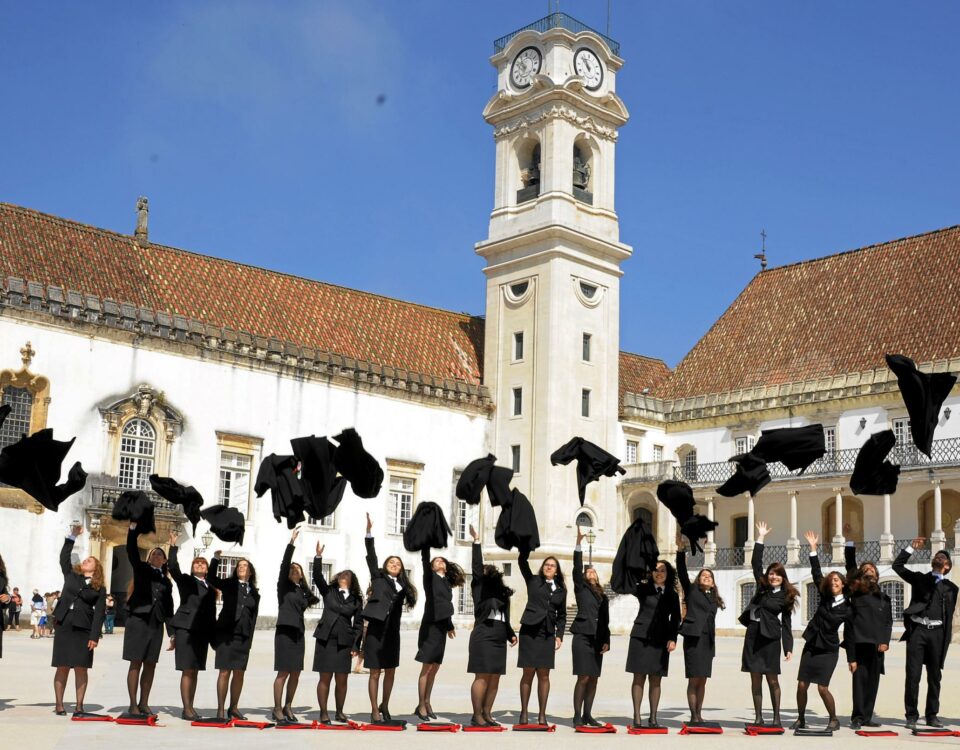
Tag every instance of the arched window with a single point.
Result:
(894, 589)
(584, 520)
(528, 160)
(17, 423)
(812, 597)
(747, 590)
(690, 465)
(138, 444)
(583, 171)
(852, 519)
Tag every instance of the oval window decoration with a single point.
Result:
(589, 293)
(520, 288)
(518, 292)
(588, 290)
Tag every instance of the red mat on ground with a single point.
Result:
(297, 725)
(935, 733)
(707, 728)
(605, 729)
(244, 724)
(398, 727)
(349, 726)
(757, 730)
(214, 723)
(92, 717)
(470, 728)
(534, 727)
(438, 726)
(647, 730)
(877, 733)
(137, 721)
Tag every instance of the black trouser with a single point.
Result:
(924, 649)
(866, 681)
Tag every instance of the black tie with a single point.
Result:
(659, 592)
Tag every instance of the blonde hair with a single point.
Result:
(96, 580)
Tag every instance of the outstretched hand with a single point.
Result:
(320, 548)
(294, 535)
(762, 530)
(77, 529)
(172, 538)
(369, 523)
(918, 542)
(812, 539)
(580, 535)
(473, 534)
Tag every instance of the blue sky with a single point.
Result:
(254, 128)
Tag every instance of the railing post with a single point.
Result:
(710, 548)
(793, 543)
(838, 541)
(886, 538)
(956, 534)
(751, 519)
(938, 539)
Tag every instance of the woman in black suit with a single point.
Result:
(4, 597)
(234, 630)
(150, 605)
(337, 635)
(867, 635)
(193, 625)
(440, 578)
(294, 597)
(822, 638)
(653, 637)
(79, 615)
(542, 626)
(591, 636)
(767, 619)
(487, 652)
(389, 591)
(702, 600)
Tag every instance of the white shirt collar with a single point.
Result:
(776, 589)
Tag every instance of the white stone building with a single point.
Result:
(160, 360)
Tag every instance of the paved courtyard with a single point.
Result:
(27, 721)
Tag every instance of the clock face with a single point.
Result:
(588, 67)
(525, 66)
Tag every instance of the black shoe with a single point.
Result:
(235, 714)
(290, 716)
(872, 724)
(431, 714)
(384, 713)
(652, 724)
(759, 722)
(189, 717)
(855, 724)
(475, 723)
(60, 711)
(416, 712)
(933, 721)
(834, 725)
(578, 721)
(338, 716)
(492, 722)
(910, 724)
(591, 722)
(798, 724)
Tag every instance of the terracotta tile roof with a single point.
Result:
(638, 372)
(39, 247)
(831, 316)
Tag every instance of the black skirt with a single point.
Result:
(381, 648)
(487, 652)
(816, 666)
(587, 659)
(698, 653)
(142, 639)
(331, 656)
(537, 648)
(288, 646)
(232, 650)
(760, 655)
(70, 647)
(432, 641)
(646, 657)
(190, 650)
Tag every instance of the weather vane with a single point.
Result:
(762, 255)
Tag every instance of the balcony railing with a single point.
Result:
(654, 471)
(106, 497)
(919, 555)
(555, 21)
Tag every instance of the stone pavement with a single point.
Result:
(27, 721)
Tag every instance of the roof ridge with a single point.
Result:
(646, 357)
(170, 248)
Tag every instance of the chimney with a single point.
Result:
(143, 211)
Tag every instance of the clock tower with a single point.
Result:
(553, 256)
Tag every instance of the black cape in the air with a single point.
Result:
(678, 499)
(498, 487)
(34, 463)
(359, 467)
(322, 488)
(136, 506)
(474, 478)
(794, 447)
(923, 394)
(226, 523)
(593, 462)
(5, 410)
(279, 475)
(187, 496)
(517, 525)
(872, 474)
(751, 476)
(636, 556)
(428, 528)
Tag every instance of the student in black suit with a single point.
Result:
(487, 652)
(294, 597)
(388, 592)
(192, 625)
(542, 625)
(768, 620)
(440, 578)
(822, 638)
(337, 634)
(150, 605)
(702, 600)
(591, 636)
(653, 637)
(234, 630)
(867, 635)
(79, 616)
(4, 597)
(928, 627)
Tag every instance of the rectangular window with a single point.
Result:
(586, 347)
(830, 440)
(235, 471)
(904, 452)
(135, 472)
(466, 515)
(17, 423)
(515, 458)
(894, 589)
(400, 504)
(743, 444)
(585, 402)
(658, 453)
(327, 522)
(507, 569)
(326, 570)
(227, 565)
(690, 466)
(517, 401)
(631, 451)
(465, 597)
(517, 346)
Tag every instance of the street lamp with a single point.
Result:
(207, 539)
(590, 539)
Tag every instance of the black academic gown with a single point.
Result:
(79, 615)
(237, 620)
(698, 627)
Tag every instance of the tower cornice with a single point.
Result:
(507, 111)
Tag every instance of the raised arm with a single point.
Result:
(373, 565)
(318, 580)
(133, 551)
(815, 571)
(682, 575)
(850, 558)
(578, 580)
(900, 564)
(756, 559)
(284, 576)
(65, 567)
(523, 561)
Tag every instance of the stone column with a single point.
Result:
(956, 534)
(886, 538)
(672, 535)
(838, 541)
(938, 539)
(793, 543)
(710, 548)
(751, 522)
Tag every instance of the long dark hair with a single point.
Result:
(252, 578)
(596, 588)
(558, 578)
(454, 575)
(825, 582)
(715, 591)
(312, 598)
(410, 595)
(355, 589)
(493, 582)
(861, 584)
(789, 589)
